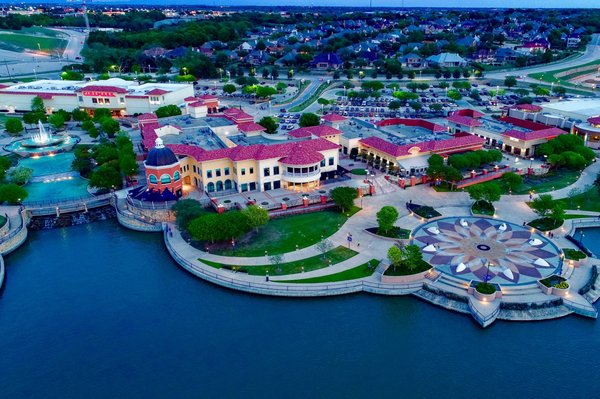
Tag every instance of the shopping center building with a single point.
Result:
(122, 97)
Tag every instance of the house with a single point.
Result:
(412, 60)
(447, 60)
(573, 40)
(530, 47)
(327, 60)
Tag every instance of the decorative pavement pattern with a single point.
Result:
(473, 248)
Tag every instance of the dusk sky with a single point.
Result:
(407, 3)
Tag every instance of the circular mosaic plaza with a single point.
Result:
(473, 248)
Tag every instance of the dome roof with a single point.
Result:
(160, 155)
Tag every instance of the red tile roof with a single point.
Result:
(208, 97)
(433, 127)
(250, 127)
(197, 104)
(455, 144)
(190, 99)
(147, 117)
(468, 112)
(318, 131)
(237, 115)
(157, 92)
(334, 118)
(594, 120)
(526, 124)
(548, 134)
(464, 120)
(110, 89)
(302, 156)
(528, 107)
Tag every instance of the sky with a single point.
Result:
(394, 3)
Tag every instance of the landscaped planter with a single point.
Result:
(411, 278)
(552, 290)
(484, 297)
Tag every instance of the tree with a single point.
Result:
(31, 118)
(324, 246)
(204, 227)
(542, 205)
(487, 192)
(101, 113)
(395, 255)
(12, 193)
(386, 217)
(229, 88)
(265, 73)
(20, 175)
(256, 216)
(454, 95)
(13, 126)
(309, 119)
(274, 73)
(110, 126)
(187, 210)
(265, 91)
(344, 197)
(456, 74)
(105, 177)
(412, 256)
(269, 123)
(80, 115)
(167, 110)
(4, 165)
(510, 81)
(57, 121)
(37, 105)
(512, 180)
(394, 105)
(82, 165)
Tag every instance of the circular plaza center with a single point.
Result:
(485, 249)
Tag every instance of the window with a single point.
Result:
(226, 170)
(94, 100)
(80, 98)
(208, 174)
(323, 163)
(267, 186)
(331, 161)
(267, 171)
(218, 172)
(122, 100)
(107, 101)
(290, 170)
(275, 170)
(176, 176)
(165, 179)
(194, 168)
(153, 179)
(243, 171)
(154, 100)
(251, 171)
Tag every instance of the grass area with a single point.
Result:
(554, 180)
(550, 76)
(402, 270)
(573, 254)
(314, 97)
(395, 232)
(586, 201)
(444, 187)
(20, 42)
(546, 224)
(483, 208)
(362, 271)
(332, 257)
(424, 211)
(572, 216)
(359, 172)
(282, 235)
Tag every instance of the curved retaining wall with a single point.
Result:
(1, 271)
(136, 224)
(14, 239)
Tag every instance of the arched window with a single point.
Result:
(153, 179)
(210, 187)
(176, 175)
(165, 179)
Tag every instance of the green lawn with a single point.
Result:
(550, 76)
(2, 220)
(573, 254)
(314, 97)
(546, 224)
(20, 42)
(332, 257)
(283, 234)
(358, 172)
(357, 272)
(586, 201)
(402, 270)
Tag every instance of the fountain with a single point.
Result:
(42, 142)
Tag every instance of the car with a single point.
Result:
(78, 58)
(282, 110)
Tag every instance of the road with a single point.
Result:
(21, 64)
(592, 53)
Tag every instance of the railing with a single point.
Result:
(69, 201)
(584, 222)
(481, 318)
(16, 231)
(294, 175)
(136, 217)
(150, 205)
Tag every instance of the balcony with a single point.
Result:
(301, 177)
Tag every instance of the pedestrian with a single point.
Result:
(267, 279)
(358, 244)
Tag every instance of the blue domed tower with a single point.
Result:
(163, 171)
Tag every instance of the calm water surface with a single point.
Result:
(97, 311)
